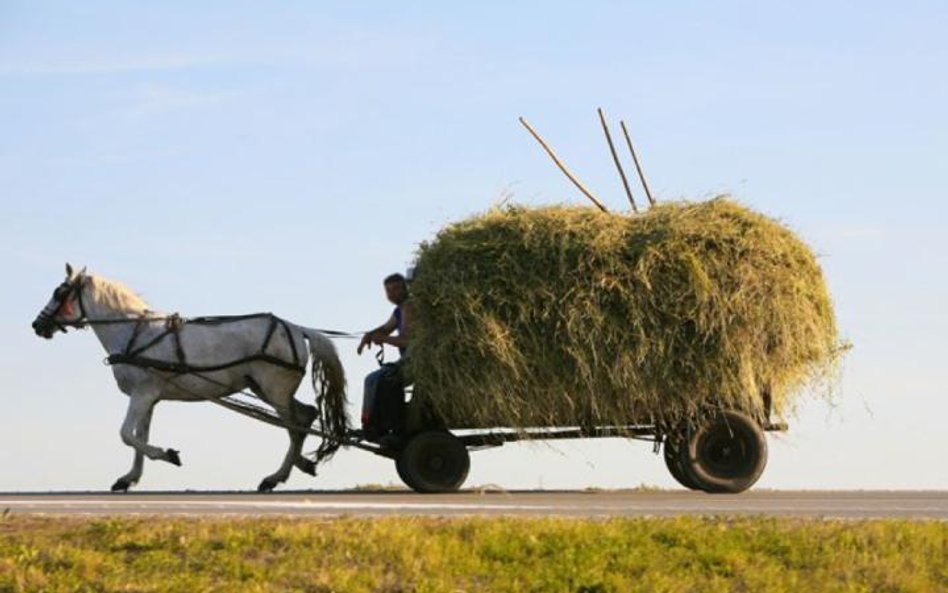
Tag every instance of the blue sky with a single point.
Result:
(225, 157)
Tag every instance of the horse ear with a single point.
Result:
(82, 272)
(68, 270)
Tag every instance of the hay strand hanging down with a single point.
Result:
(570, 316)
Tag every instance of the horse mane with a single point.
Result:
(115, 295)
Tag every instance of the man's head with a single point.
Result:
(396, 289)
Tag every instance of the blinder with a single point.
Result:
(61, 296)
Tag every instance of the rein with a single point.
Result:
(83, 320)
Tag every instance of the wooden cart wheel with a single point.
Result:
(433, 461)
(672, 453)
(725, 454)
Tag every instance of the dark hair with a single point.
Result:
(394, 278)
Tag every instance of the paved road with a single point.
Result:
(845, 504)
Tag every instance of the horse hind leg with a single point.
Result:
(283, 472)
(305, 415)
(294, 415)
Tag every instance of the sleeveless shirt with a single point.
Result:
(399, 319)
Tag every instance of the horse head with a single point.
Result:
(65, 307)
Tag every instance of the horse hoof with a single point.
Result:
(266, 485)
(171, 456)
(307, 467)
(121, 485)
(309, 414)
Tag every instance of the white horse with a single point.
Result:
(159, 357)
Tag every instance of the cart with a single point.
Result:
(725, 451)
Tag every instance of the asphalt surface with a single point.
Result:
(598, 504)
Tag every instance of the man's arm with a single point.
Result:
(401, 340)
(378, 334)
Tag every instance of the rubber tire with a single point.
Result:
(725, 454)
(434, 462)
(402, 474)
(671, 452)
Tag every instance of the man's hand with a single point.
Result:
(367, 340)
(378, 335)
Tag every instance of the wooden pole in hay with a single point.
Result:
(615, 159)
(638, 168)
(562, 167)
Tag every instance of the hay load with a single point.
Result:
(563, 316)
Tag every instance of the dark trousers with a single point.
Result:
(383, 401)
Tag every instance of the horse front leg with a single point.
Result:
(140, 406)
(138, 462)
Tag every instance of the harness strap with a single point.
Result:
(270, 330)
(289, 337)
(174, 324)
(215, 320)
(135, 333)
(179, 350)
(133, 353)
(182, 368)
(274, 322)
(339, 334)
(82, 308)
(219, 319)
(260, 413)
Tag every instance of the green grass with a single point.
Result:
(470, 554)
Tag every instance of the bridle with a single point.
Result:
(60, 305)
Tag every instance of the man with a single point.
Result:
(383, 396)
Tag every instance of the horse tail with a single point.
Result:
(329, 383)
